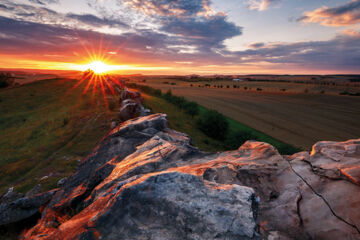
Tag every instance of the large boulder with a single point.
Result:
(129, 109)
(146, 181)
(134, 95)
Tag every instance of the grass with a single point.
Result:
(46, 127)
(182, 122)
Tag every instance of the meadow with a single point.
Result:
(46, 128)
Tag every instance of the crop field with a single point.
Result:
(296, 116)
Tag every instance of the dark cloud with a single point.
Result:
(347, 14)
(340, 53)
(205, 32)
(193, 21)
(3, 6)
(44, 2)
(96, 21)
(175, 8)
(257, 45)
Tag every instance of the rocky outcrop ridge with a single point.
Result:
(146, 181)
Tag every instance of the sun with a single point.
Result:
(98, 67)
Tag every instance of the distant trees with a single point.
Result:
(235, 139)
(191, 108)
(5, 80)
(213, 124)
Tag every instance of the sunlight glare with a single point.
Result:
(98, 67)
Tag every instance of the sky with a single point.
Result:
(183, 36)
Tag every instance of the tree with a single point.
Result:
(213, 124)
(191, 108)
(5, 80)
(238, 138)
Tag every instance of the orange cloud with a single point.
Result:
(344, 15)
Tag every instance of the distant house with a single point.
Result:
(238, 80)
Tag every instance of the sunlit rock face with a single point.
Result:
(146, 181)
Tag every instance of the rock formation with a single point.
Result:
(146, 181)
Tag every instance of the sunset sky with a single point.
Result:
(183, 36)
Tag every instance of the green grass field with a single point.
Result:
(46, 128)
(184, 123)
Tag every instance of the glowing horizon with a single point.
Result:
(192, 37)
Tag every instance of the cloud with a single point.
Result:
(174, 8)
(41, 14)
(256, 45)
(341, 53)
(261, 5)
(192, 21)
(44, 2)
(344, 15)
(204, 32)
(96, 21)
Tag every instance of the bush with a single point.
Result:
(286, 149)
(213, 124)
(168, 95)
(112, 105)
(5, 80)
(65, 121)
(191, 108)
(238, 138)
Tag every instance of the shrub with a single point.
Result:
(112, 105)
(235, 139)
(213, 124)
(191, 108)
(65, 121)
(286, 149)
(168, 95)
(258, 89)
(5, 80)
(157, 92)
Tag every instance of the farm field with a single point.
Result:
(294, 117)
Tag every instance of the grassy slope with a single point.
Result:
(45, 128)
(183, 123)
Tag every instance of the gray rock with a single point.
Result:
(23, 208)
(10, 195)
(135, 96)
(179, 206)
(35, 190)
(61, 182)
(129, 109)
